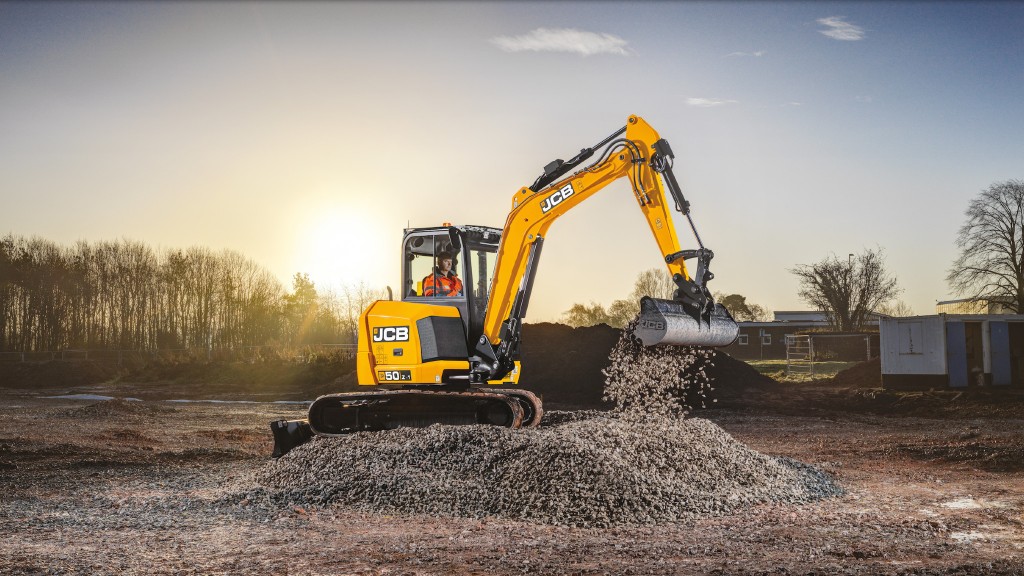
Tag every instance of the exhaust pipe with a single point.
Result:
(668, 322)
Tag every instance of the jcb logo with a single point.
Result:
(391, 334)
(652, 325)
(556, 198)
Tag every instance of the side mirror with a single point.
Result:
(456, 238)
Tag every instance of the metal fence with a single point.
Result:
(799, 354)
(804, 350)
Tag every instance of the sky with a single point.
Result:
(307, 136)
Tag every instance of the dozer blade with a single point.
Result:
(289, 434)
(668, 322)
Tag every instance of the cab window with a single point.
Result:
(482, 259)
(421, 253)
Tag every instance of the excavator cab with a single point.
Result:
(416, 353)
(474, 251)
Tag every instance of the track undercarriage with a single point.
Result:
(339, 414)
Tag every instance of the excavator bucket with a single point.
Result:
(668, 322)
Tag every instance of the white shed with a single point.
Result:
(952, 350)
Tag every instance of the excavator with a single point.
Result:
(448, 355)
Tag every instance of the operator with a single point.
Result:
(444, 281)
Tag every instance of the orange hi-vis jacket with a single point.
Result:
(441, 285)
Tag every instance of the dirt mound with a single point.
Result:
(863, 375)
(730, 374)
(599, 470)
(563, 364)
(736, 384)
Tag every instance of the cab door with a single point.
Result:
(419, 255)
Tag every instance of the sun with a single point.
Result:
(340, 247)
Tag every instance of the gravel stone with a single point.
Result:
(584, 470)
(640, 464)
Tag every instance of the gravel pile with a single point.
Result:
(586, 470)
(641, 464)
(666, 380)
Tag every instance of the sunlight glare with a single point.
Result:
(340, 248)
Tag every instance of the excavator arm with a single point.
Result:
(637, 153)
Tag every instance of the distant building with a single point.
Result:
(953, 351)
(974, 306)
(815, 318)
(768, 340)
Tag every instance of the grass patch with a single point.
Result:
(776, 369)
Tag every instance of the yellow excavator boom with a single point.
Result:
(638, 154)
(533, 212)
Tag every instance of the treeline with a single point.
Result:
(655, 283)
(125, 295)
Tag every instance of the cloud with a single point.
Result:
(563, 40)
(707, 102)
(839, 29)
(864, 99)
(757, 54)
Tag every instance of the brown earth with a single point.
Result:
(933, 479)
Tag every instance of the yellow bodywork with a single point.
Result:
(533, 213)
(395, 358)
(389, 350)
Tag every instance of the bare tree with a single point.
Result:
(123, 295)
(847, 290)
(248, 300)
(991, 243)
(621, 312)
(655, 282)
(354, 299)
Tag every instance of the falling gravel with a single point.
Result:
(665, 380)
(588, 470)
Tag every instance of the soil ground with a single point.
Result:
(933, 481)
